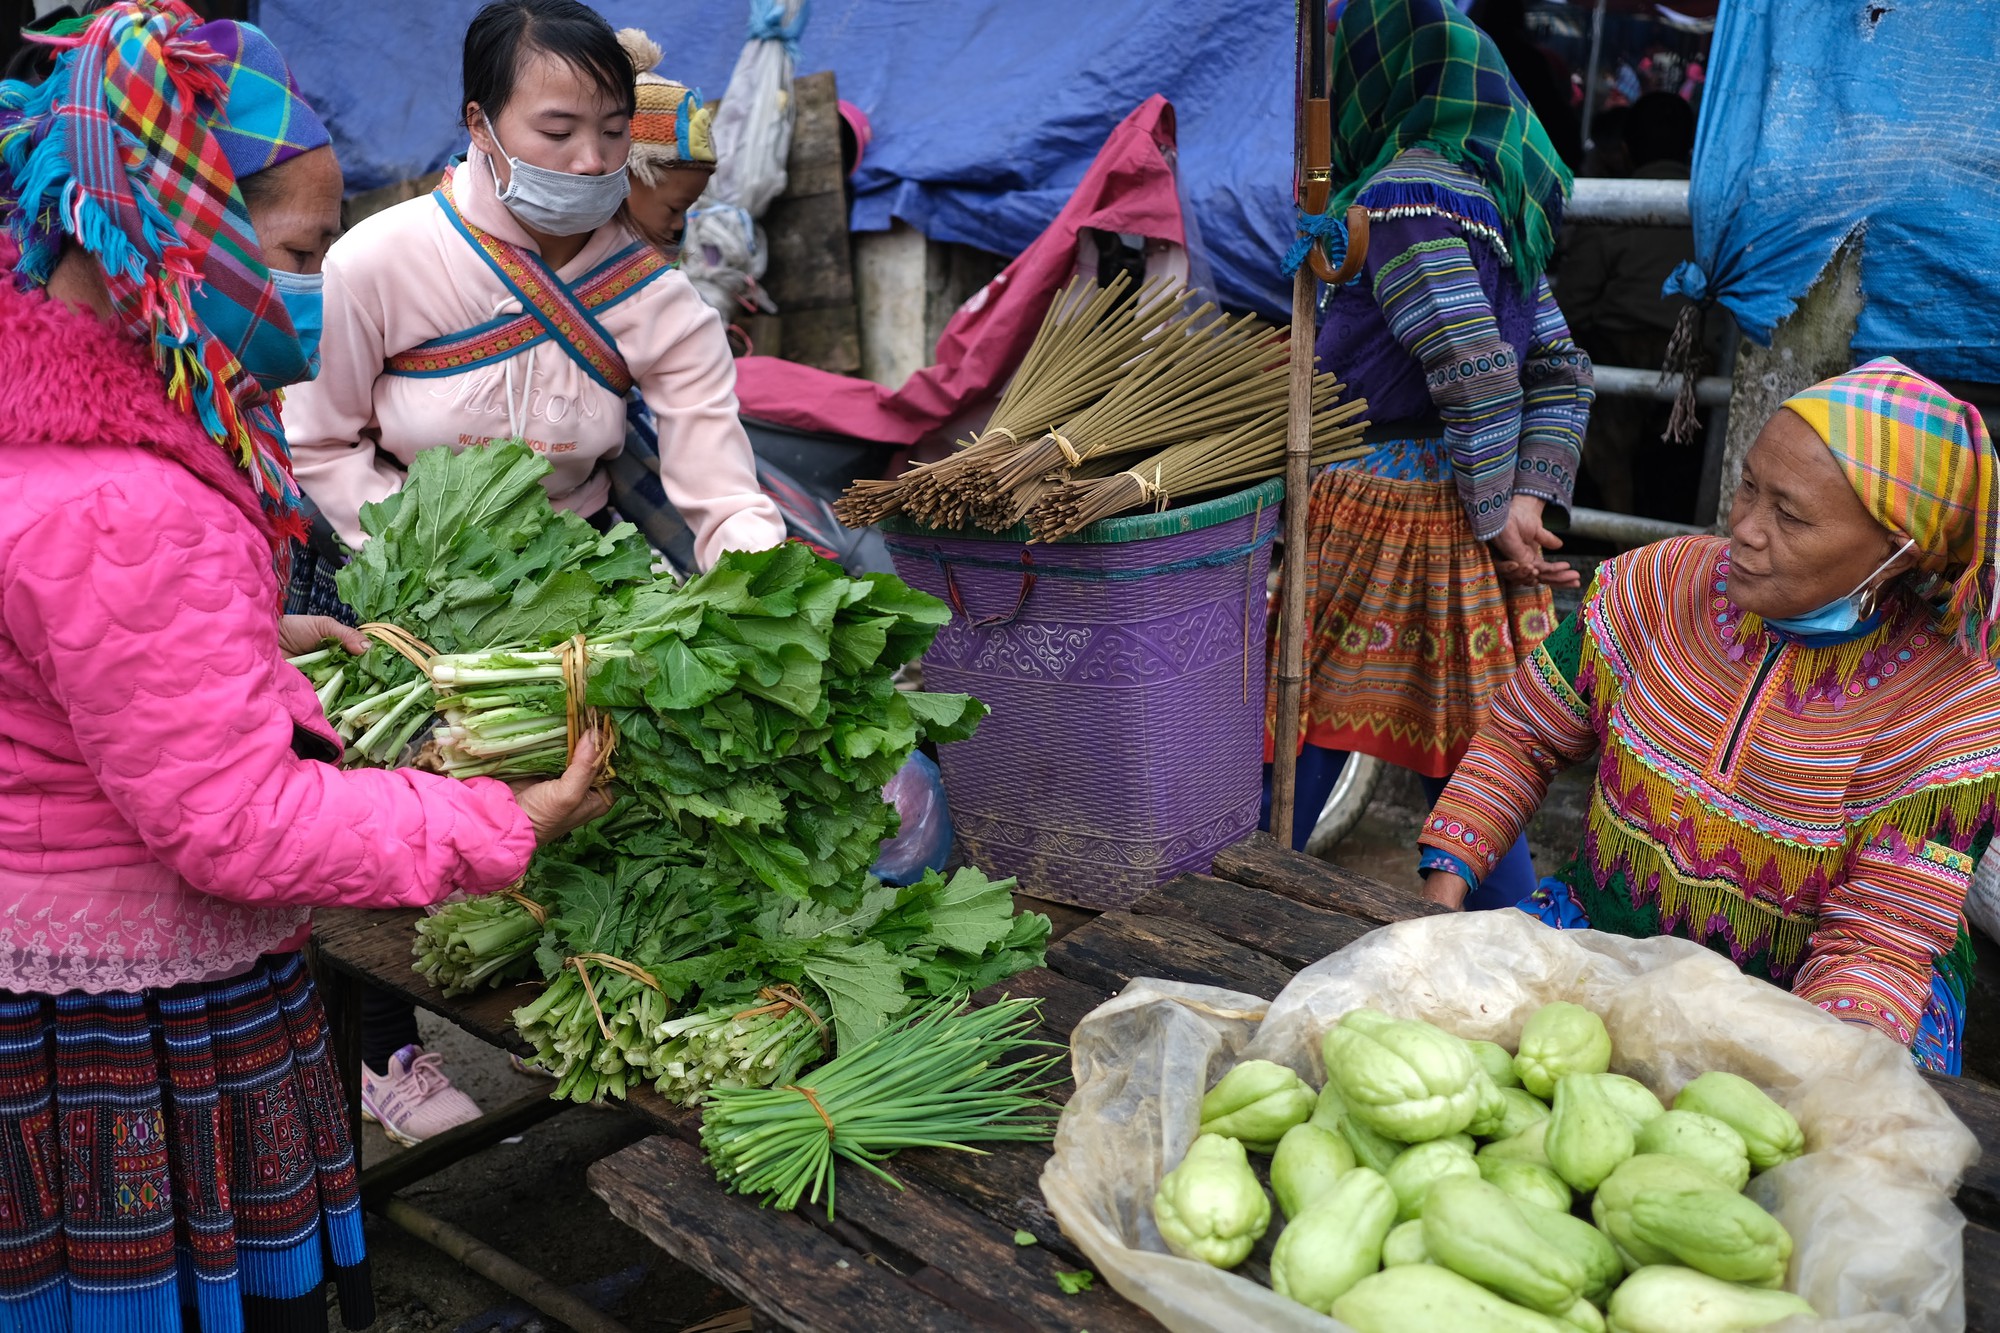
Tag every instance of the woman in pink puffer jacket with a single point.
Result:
(168, 809)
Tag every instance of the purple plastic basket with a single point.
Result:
(1125, 671)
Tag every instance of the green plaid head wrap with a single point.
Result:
(1419, 74)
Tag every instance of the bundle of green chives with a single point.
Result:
(947, 1077)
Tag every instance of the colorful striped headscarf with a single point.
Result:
(670, 124)
(132, 149)
(1923, 465)
(1420, 74)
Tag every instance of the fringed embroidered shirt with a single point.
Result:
(1438, 329)
(1814, 812)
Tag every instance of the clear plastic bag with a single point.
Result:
(1869, 1204)
(923, 842)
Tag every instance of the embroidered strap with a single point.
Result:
(551, 309)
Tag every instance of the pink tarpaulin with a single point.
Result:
(1129, 189)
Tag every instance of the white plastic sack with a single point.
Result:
(1869, 1204)
(723, 251)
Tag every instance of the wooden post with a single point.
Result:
(1310, 154)
(1292, 606)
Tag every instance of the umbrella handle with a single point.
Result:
(1357, 251)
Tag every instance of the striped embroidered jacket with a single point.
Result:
(1815, 812)
(1438, 331)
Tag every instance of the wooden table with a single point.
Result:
(940, 1254)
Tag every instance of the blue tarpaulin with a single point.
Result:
(1830, 119)
(986, 113)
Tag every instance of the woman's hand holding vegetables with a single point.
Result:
(299, 635)
(558, 806)
(1519, 547)
(1441, 886)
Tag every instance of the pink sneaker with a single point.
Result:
(414, 1100)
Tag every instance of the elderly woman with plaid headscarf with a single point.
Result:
(174, 1150)
(1798, 729)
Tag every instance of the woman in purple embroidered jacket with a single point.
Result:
(1428, 572)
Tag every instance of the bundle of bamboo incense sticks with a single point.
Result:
(1249, 453)
(1087, 341)
(1201, 376)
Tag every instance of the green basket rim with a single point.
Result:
(1128, 528)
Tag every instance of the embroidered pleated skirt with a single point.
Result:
(176, 1160)
(1409, 631)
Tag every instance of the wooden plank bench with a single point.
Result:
(940, 1253)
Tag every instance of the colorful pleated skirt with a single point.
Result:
(176, 1160)
(1410, 631)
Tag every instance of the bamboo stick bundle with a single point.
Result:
(1202, 380)
(1248, 453)
(1087, 337)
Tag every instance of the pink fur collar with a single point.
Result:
(70, 379)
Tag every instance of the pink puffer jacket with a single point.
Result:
(156, 825)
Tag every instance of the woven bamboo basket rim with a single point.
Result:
(1124, 528)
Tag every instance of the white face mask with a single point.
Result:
(558, 203)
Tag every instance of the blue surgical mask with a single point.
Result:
(559, 203)
(304, 298)
(1842, 615)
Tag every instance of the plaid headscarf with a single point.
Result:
(1923, 466)
(133, 148)
(1419, 74)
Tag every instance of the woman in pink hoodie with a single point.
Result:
(515, 302)
(173, 1146)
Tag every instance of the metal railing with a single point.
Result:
(1644, 203)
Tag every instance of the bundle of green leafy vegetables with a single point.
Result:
(719, 927)
(468, 554)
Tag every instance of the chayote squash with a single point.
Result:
(1770, 1134)
(1371, 1150)
(1588, 1134)
(1634, 1100)
(1523, 1110)
(1499, 1065)
(1612, 1204)
(1661, 1299)
(1558, 1039)
(1703, 1140)
(1405, 1245)
(1530, 1145)
(1465, 1141)
(1477, 1231)
(1211, 1207)
(1307, 1163)
(1526, 1182)
(1559, 1230)
(1493, 1108)
(1428, 1298)
(1658, 1209)
(1330, 1109)
(1336, 1242)
(1405, 1080)
(1420, 1167)
(1255, 1103)
(1584, 1317)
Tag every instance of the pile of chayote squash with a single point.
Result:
(1399, 1220)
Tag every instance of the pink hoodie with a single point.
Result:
(406, 276)
(156, 825)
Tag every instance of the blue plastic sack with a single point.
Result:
(924, 843)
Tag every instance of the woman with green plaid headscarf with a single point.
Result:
(1428, 572)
